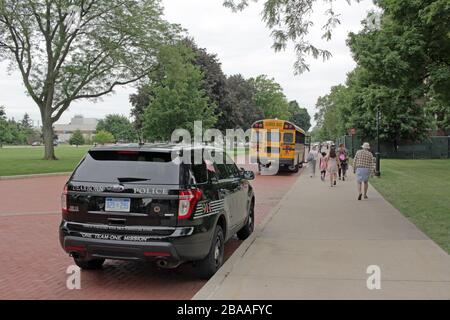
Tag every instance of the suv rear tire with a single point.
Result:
(249, 227)
(94, 264)
(207, 267)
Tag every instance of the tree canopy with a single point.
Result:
(17, 132)
(403, 69)
(236, 102)
(214, 83)
(241, 97)
(77, 138)
(178, 98)
(270, 98)
(299, 116)
(5, 133)
(119, 126)
(66, 51)
(290, 23)
(103, 137)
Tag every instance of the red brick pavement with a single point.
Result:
(33, 266)
(39, 195)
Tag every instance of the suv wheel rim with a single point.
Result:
(250, 218)
(217, 251)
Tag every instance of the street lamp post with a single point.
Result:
(378, 153)
(353, 133)
(353, 145)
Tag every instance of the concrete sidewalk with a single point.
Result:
(318, 244)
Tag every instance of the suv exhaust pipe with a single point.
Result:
(165, 264)
(162, 263)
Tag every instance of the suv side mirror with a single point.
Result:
(247, 175)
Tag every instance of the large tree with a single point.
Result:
(179, 98)
(26, 122)
(77, 139)
(425, 24)
(299, 116)
(13, 132)
(103, 137)
(402, 117)
(120, 127)
(139, 102)
(214, 83)
(402, 67)
(270, 98)
(330, 114)
(241, 97)
(403, 71)
(5, 131)
(67, 50)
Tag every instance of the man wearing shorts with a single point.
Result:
(362, 167)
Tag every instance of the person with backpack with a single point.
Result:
(312, 160)
(343, 164)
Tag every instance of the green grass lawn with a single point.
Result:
(420, 189)
(28, 160)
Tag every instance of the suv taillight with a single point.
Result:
(188, 200)
(64, 201)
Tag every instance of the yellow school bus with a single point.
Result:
(277, 141)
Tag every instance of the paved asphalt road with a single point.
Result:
(33, 266)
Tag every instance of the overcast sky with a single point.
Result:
(242, 44)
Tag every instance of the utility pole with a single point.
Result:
(353, 145)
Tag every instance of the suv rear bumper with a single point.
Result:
(119, 250)
(178, 248)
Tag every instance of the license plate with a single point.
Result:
(117, 204)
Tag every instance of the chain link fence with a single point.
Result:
(431, 148)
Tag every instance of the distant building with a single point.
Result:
(87, 126)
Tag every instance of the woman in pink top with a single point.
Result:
(323, 166)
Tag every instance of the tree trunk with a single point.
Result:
(48, 134)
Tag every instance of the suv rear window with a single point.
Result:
(112, 166)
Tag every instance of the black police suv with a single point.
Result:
(146, 202)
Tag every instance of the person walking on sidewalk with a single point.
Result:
(332, 165)
(312, 160)
(323, 165)
(343, 164)
(362, 167)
